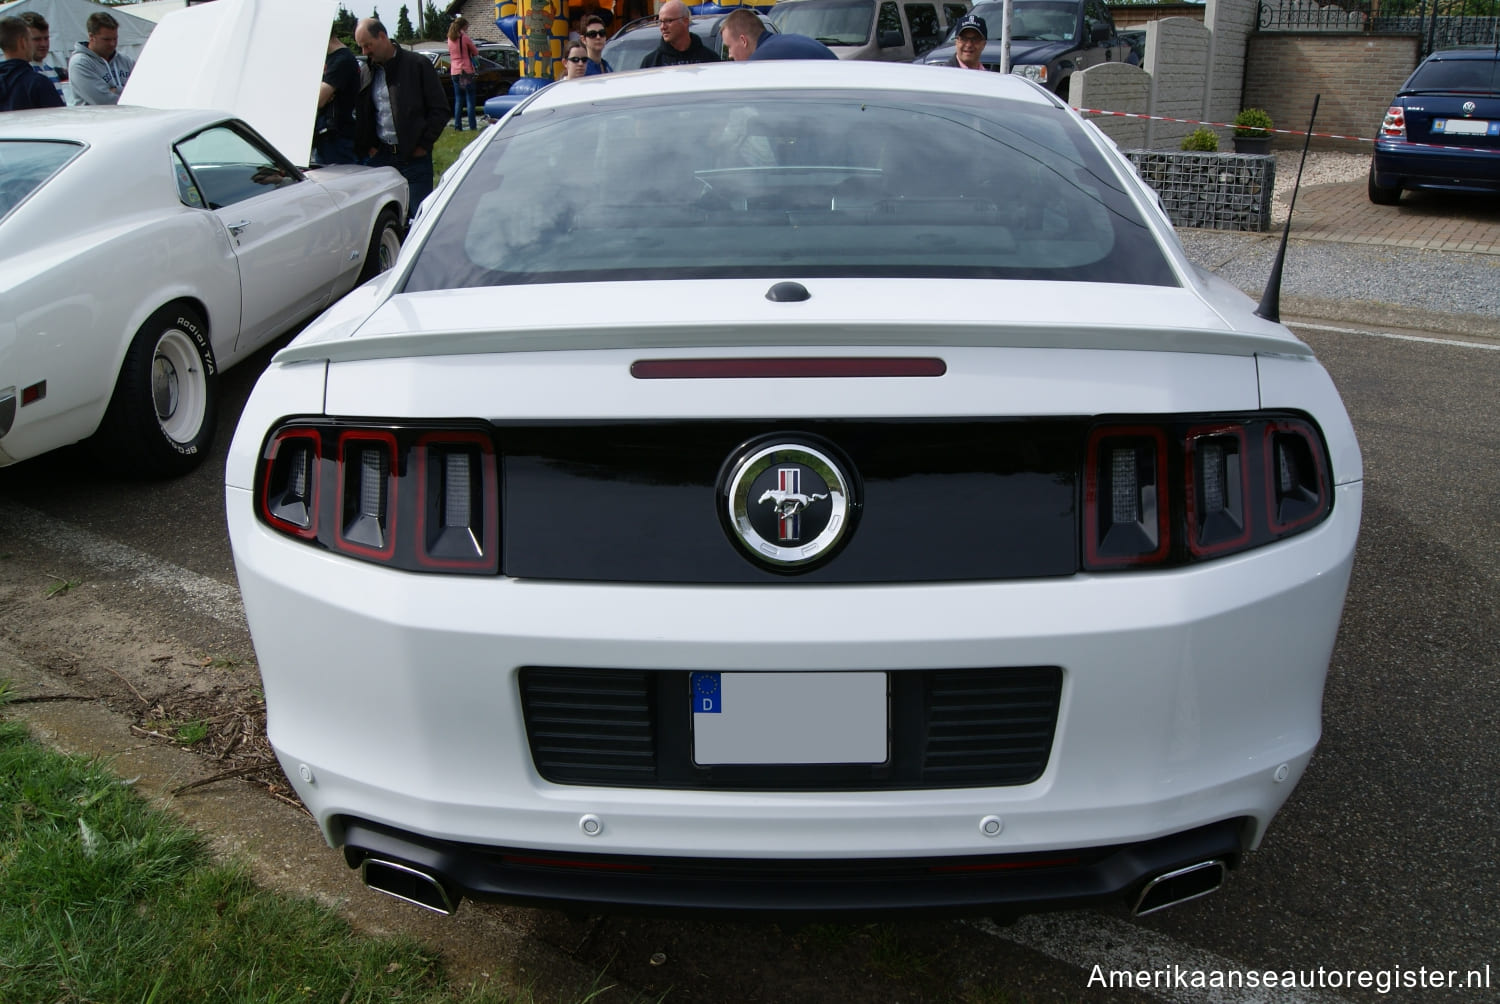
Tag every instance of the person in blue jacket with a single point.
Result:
(746, 38)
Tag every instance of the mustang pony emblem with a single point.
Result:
(789, 503)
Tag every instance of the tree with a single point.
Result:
(436, 22)
(344, 22)
(404, 32)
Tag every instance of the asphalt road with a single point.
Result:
(1385, 857)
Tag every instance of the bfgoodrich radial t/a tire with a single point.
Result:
(160, 421)
(385, 244)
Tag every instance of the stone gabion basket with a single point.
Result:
(1211, 191)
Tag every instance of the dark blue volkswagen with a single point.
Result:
(1442, 130)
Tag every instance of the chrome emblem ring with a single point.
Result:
(1470, 107)
(788, 503)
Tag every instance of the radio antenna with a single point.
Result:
(1270, 300)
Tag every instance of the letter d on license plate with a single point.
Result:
(789, 718)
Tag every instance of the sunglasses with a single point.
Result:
(578, 59)
(669, 20)
(593, 34)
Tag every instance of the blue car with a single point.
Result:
(1442, 130)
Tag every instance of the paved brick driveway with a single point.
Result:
(1436, 221)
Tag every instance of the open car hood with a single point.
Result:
(259, 60)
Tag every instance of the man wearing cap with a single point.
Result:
(968, 43)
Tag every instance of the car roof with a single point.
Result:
(1488, 52)
(103, 125)
(856, 76)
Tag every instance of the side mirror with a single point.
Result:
(890, 39)
(1101, 33)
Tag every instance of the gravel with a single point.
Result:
(1445, 291)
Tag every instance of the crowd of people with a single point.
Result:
(96, 73)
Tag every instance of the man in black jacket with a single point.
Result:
(678, 43)
(403, 111)
(20, 85)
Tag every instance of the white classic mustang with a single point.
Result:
(142, 250)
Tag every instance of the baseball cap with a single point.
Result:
(973, 21)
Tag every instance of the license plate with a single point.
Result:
(1462, 127)
(790, 718)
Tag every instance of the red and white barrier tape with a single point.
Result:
(1286, 132)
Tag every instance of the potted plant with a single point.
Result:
(1201, 140)
(1252, 131)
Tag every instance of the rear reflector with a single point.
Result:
(740, 369)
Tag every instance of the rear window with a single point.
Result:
(776, 184)
(25, 165)
(1477, 76)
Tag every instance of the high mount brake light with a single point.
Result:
(421, 498)
(1164, 493)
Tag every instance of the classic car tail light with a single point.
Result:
(1171, 492)
(418, 498)
(1394, 126)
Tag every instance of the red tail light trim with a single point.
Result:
(1156, 520)
(1321, 501)
(387, 522)
(310, 439)
(488, 535)
(1196, 517)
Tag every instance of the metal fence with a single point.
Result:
(1441, 24)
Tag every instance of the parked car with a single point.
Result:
(1442, 130)
(635, 40)
(143, 250)
(495, 69)
(1050, 40)
(896, 30)
(785, 533)
(1136, 39)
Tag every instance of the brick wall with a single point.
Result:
(1355, 74)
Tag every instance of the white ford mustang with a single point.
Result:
(143, 250)
(815, 487)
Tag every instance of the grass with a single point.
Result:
(449, 145)
(103, 898)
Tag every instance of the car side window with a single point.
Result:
(187, 188)
(888, 30)
(228, 166)
(1096, 16)
(953, 11)
(925, 34)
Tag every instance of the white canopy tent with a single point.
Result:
(66, 20)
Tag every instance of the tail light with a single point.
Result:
(1160, 494)
(417, 498)
(1394, 126)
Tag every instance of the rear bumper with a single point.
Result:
(1411, 165)
(768, 888)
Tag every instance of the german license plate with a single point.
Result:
(789, 718)
(1462, 127)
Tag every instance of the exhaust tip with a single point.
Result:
(1179, 886)
(408, 884)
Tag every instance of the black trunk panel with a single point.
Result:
(938, 500)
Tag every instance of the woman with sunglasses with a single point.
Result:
(594, 37)
(575, 61)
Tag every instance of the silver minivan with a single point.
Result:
(895, 30)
